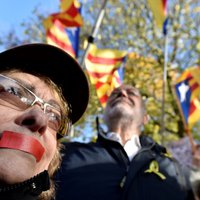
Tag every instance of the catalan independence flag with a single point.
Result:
(187, 89)
(70, 7)
(70, 14)
(159, 10)
(62, 29)
(105, 69)
(56, 35)
(66, 19)
(73, 35)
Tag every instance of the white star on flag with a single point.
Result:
(183, 88)
(72, 30)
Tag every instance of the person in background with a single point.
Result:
(43, 91)
(189, 158)
(123, 164)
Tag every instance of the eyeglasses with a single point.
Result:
(19, 97)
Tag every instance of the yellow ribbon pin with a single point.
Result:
(154, 168)
(167, 154)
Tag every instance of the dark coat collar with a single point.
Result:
(27, 190)
(145, 141)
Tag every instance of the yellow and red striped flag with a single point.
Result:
(66, 19)
(103, 67)
(187, 89)
(56, 35)
(62, 29)
(72, 9)
(159, 10)
(69, 6)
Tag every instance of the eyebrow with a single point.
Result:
(135, 90)
(33, 89)
(25, 84)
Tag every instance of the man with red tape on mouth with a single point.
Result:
(43, 91)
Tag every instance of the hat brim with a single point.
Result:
(59, 66)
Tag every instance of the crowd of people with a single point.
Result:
(43, 91)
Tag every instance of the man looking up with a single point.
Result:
(123, 164)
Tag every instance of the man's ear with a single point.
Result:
(146, 119)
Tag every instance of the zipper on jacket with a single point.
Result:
(124, 177)
(122, 183)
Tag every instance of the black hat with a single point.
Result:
(59, 66)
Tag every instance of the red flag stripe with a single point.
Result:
(189, 76)
(66, 22)
(72, 11)
(165, 6)
(99, 74)
(104, 61)
(194, 86)
(192, 108)
(104, 99)
(60, 43)
(99, 84)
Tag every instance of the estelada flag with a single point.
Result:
(105, 69)
(62, 29)
(56, 35)
(187, 89)
(72, 8)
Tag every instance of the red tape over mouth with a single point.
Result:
(22, 142)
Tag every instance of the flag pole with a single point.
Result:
(191, 139)
(165, 32)
(94, 31)
(164, 87)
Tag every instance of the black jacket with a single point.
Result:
(27, 190)
(102, 171)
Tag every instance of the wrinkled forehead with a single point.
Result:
(127, 88)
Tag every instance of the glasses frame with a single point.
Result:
(65, 123)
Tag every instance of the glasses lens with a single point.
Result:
(14, 95)
(65, 127)
(18, 97)
(54, 116)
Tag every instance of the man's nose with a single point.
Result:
(34, 119)
(123, 93)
